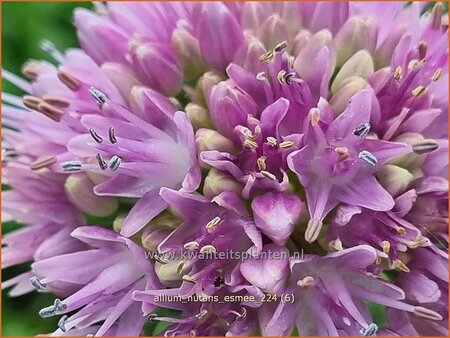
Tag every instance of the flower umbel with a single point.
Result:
(225, 168)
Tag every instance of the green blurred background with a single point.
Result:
(24, 25)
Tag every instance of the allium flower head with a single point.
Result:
(235, 168)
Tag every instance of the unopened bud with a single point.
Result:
(360, 65)
(354, 35)
(121, 76)
(204, 85)
(168, 273)
(394, 179)
(80, 190)
(187, 50)
(217, 182)
(153, 236)
(208, 139)
(117, 224)
(349, 87)
(198, 116)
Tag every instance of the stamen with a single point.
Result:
(401, 266)
(419, 243)
(160, 259)
(289, 76)
(250, 144)
(261, 76)
(336, 244)
(267, 56)
(422, 50)
(240, 315)
(308, 281)
(180, 267)
(401, 231)
(243, 312)
(425, 146)
(368, 157)
(53, 310)
(98, 95)
(272, 141)
(249, 135)
(280, 77)
(71, 82)
(49, 47)
(192, 333)
(188, 279)
(152, 316)
(71, 166)
(386, 247)
(291, 60)
(342, 152)
(97, 138)
(261, 162)
(209, 249)
(101, 162)
(50, 111)
(362, 130)
(426, 313)
(31, 102)
(43, 162)
(398, 73)
(378, 260)
(191, 245)
(211, 225)
(30, 69)
(62, 323)
(314, 116)
(37, 284)
(286, 144)
(281, 46)
(114, 163)
(413, 64)
(202, 314)
(56, 100)
(268, 175)
(112, 135)
(313, 230)
(369, 331)
(436, 75)
(419, 91)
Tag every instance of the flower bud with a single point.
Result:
(187, 50)
(168, 273)
(248, 55)
(412, 160)
(252, 15)
(384, 52)
(217, 182)
(204, 86)
(151, 106)
(153, 236)
(272, 31)
(229, 107)
(300, 41)
(80, 191)
(315, 63)
(394, 179)
(355, 34)
(158, 67)
(118, 221)
(349, 87)
(121, 76)
(219, 35)
(198, 116)
(208, 139)
(100, 38)
(360, 65)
